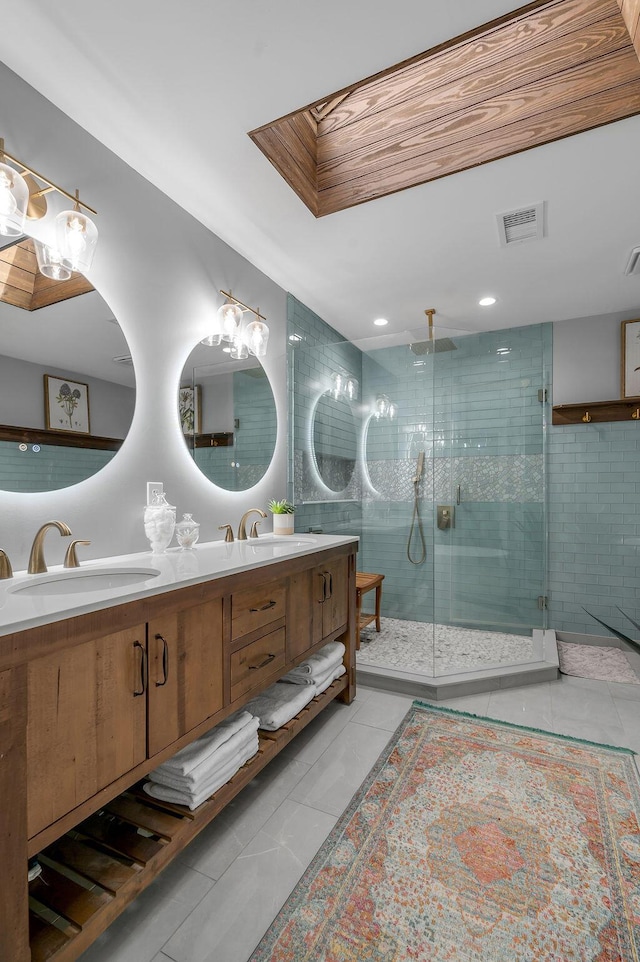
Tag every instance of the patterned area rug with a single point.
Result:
(474, 840)
(590, 661)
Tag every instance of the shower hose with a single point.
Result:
(416, 520)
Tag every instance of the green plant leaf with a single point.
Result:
(614, 631)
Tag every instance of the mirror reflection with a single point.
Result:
(228, 416)
(67, 392)
(334, 441)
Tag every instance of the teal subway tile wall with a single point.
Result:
(47, 467)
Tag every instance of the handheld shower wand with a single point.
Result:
(415, 518)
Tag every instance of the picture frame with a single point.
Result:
(66, 405)
(630, 359)
(190, 408)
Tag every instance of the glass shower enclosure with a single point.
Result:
(432, 452)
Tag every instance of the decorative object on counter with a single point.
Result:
(190, 409)
(187, 531)
(159, 523)
(283, 516)
(66, 404)
(630, 359)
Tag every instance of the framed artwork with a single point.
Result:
(190, 408)
(630, 359)
(66, 405)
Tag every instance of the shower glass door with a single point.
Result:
(489, 515)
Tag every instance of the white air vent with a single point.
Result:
(123, 359)
(633, 264)
(517, 226)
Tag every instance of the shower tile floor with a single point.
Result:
(434, 650)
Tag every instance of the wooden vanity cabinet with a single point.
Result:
(89, 705)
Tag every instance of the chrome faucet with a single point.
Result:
(5, 565)
(36, 558)
(242, 529)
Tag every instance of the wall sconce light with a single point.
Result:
(384, 407)
(344, 386)
(22, 198)
(245, 339)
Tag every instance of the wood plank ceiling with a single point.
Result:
(22, 285)
(546, 71)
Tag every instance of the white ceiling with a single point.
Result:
(173, 89)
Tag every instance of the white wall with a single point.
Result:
(159, 270)
(586, 358)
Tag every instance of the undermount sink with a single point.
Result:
(268, 542)
(78, 580)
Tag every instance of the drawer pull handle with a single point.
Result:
(165, 661)
(269, 604)
(143, 669)
(262, 663)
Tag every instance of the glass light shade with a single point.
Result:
(337, 385)
(76, 236)
(229, 318)
(211, 340)
(239, 348)
(381, 406)
(50, 262)
(393, 411)
(351, 388)
(14, 197)
(256, 336)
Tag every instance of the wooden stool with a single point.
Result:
(366, 582)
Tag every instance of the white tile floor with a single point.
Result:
(214, 904)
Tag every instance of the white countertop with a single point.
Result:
(27, 601)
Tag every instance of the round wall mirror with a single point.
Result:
(335, 441)
(67, 387)
(228, 417)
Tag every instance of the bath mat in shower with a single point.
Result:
(474, 840)
(590, 661)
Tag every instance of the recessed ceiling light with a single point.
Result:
(486, 301)
(380, 322)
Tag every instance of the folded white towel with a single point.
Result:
(207, 769)
(278, 704)
(188, 758)
(336, 673)
(316, 666)
(191, 800)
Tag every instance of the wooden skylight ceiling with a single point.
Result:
(22, 285)
(548, 70)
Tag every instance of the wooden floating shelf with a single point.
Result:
(63, 439)
(117, 863)
(593, 412)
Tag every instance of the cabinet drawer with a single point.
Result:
(252, 665)
(256, 607)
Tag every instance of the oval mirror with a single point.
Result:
(334, 441)
(380, 448)
(67, 385)
(228, 416)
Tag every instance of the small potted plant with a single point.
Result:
(283, 512)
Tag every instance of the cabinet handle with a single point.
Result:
(327, 594)
(143, 669)
(262, 663)
(165, 661)
(269, 604)
(324, 587)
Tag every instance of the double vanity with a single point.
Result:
(107, 670)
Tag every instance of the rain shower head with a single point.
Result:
(435, 344)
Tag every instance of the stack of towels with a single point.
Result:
(193, 774)
(320, 669)
(279, 703)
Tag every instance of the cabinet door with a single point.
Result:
(336, 605)
(86, 722)
(185, 672)
(331, 597)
